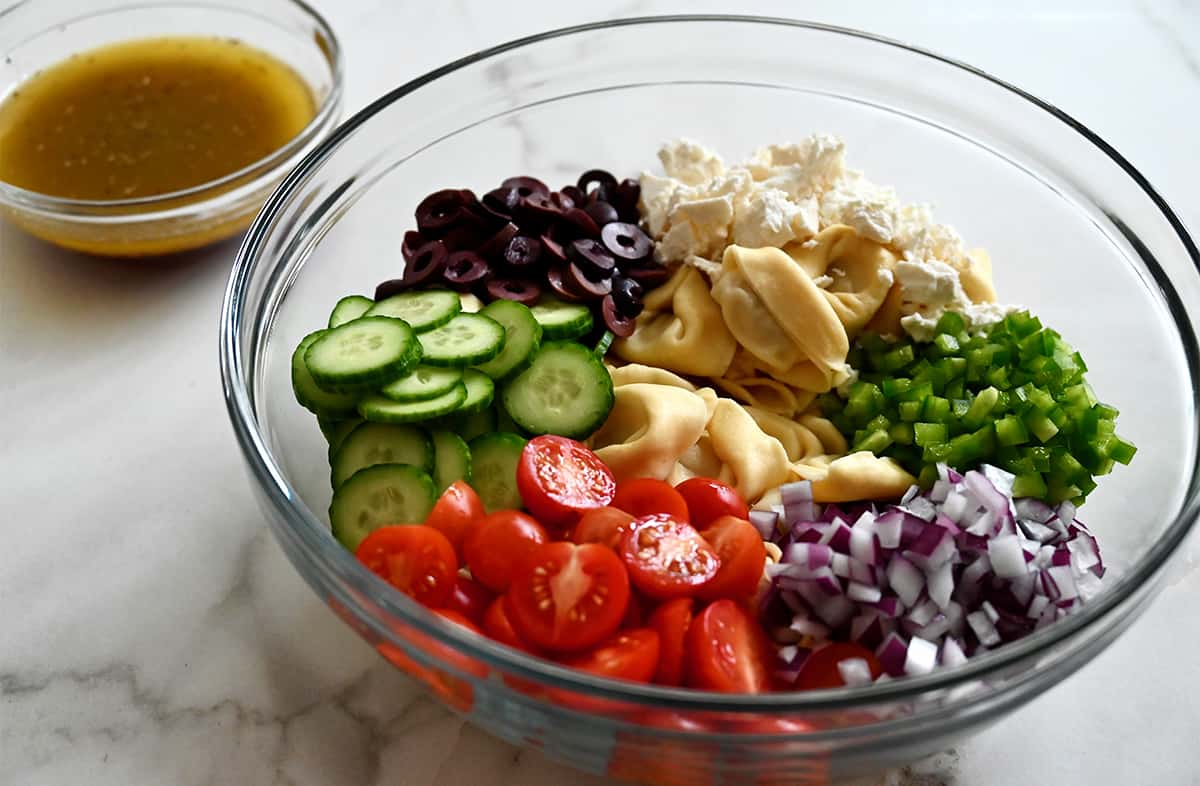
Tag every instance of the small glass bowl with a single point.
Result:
(1076, 234)
(37, 34)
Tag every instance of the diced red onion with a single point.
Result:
(862, 544)
(1008, 560)
(892, 654)
(766, 522)
(955, 506)
(940, 584)
(855, 671)
(952, 653)
(921, 656)
(941, 489)
(797, 500)
(888, 527)
(863, 593)
(983, 628)
(1037, 605)
(808, 627)
(923, 613)
(921, 507)
(907, 582)
(1064, 581)
(810, 556)
(1032, 509)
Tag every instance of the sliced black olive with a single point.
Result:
(602, 213)
(523, 252)
(464, 269)
(525, 292)
(526, 186)
(426, 263)
(592, 258)
(619, 324)
(441, 209)
(626, 241)
(627, 295)
(393, 286)
(581, 282)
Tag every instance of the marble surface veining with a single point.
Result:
(151, 632)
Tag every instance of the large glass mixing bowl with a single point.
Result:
(1075, 233)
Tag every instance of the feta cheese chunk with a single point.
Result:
(690, 162)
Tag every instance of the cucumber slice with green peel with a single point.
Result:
(480, 392)
(466, 340)
(384, 410)
(423, 382)
(337, 430)
(348, 309)
(310, 395)
(504, 421)
(379, 495)
(522, 335)
(423, 310)
(566, 390)
(494, 459)
(473, 425)
(451, 459)
(561, 320)
(603, 344)
(362, 354)
(381, 443)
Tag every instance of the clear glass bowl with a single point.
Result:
(35, 34)
(1075, 232)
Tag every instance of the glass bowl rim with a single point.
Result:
(330, 557)
(258, 170)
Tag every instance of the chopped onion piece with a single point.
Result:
(921, 656)
(952, 653)
(1008, 560)
(863, 593)
(855, 671)
(940, 583)
(797, 501)
(888, 528)
(907, 582)
(766, 522)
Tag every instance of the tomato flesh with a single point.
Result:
(497, 624)
(470, 599)
(415, 559)
(727, 651)
(742, 554)
(671, 621)
(708, 500)
(649, 496)
(558, 478)
(498, 543)
(667, 558)
(566, 597)
(455, 511)
(820, 670)
(630, 655)
(605, 525)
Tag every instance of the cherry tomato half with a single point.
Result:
(707, 500)
(496, 545)
(558, 478)
(671, 622)
(742, 554)
(667, 558)
(458, 619)
(566, 597)
(497, 625)
(647, 496)
(605, 525)
(456, 510)
(629, 655)
(415, 559)
(727, 651)
(820, 670)
(470, 599)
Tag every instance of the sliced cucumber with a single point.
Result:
(423, 382)
(473, 425)
(504, 421)
(566, 390)
(348, 309)
(379, 495)
(337, 430)
(466, 340)
(480, 392)
(423, 310)
(451, 459)
(603, 344)
(494, 459)
(384, 410)
(381, 443)
(362, 354)
(522, 335)
(313, 397)
(561, 320)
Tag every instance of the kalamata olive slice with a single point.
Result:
(426, 263)
(619, 324)
(576, 195)
(592, 258)
(464, 269)
(494, 246)
(523, 252)
(627, 295)
(580, 281)
(467, 233)
(561, 201)
(602, 213)
(526, 186)
(552, 248)
(440, 210)
(501, 201)
(648, 275)
(581, 222)
(393, 286)
(626, 241)
(629, 191)
(525, 292)
(536, 210)
(598, 177)
(412, 241)
(557, 280)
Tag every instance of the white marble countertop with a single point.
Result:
(153, 633)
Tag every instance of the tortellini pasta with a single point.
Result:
(857, 476)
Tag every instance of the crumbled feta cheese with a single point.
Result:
(690, 162)
(655, 201)
(764, 218)
(823, 282)
(801, 169)
(807, 221)
(858, 203)
(699, 227)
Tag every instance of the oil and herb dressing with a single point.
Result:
(148, 117)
